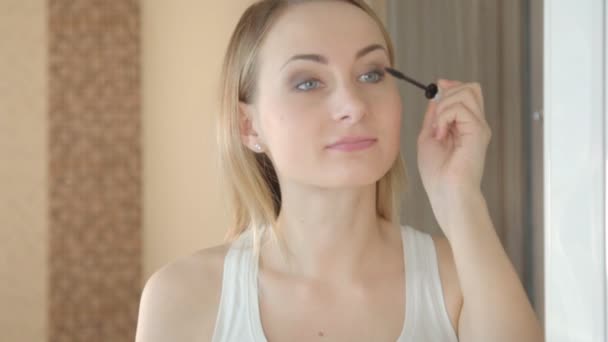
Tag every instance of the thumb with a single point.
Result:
(429, 118)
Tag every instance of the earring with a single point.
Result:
(258, 147)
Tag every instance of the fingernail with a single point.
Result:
(437, 96)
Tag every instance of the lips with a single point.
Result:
(352, 140)
(353, 143)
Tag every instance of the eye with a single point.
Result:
(308, 85)
(373, 76)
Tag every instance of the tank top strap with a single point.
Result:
(233, 321)
(412, 283)
(431, 321)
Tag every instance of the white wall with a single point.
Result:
(575, 170)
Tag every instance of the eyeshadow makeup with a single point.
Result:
(430, 91)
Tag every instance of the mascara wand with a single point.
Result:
(429, 91)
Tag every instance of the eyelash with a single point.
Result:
(381, 74)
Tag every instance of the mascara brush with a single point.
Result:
(430, 91)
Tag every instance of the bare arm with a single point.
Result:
(180, 301)
(161, 317)
(495, 306)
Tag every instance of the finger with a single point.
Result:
(461, 115)
(464, 95)
(447, 84)
(474, 87)
(429, 122)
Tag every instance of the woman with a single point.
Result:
(309, 139)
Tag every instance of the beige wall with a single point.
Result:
(23, 165)
(183, 46)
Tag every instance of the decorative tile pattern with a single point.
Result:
(94, 170)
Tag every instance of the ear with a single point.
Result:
(249, 135)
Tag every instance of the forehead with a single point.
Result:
(324, 27)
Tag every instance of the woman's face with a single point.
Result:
(321, 78)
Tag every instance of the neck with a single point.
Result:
(327, 233)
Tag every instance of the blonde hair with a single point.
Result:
(251, 179)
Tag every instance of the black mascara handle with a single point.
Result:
(429, 91)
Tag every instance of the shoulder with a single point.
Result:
(180, 301)
(452, 293)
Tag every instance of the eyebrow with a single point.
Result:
(323, 60)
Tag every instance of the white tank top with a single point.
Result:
(426, 318)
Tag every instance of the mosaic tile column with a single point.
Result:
(94, 169)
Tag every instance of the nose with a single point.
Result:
(349, 104)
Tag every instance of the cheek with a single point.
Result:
(391, 115)
(290, 129)
(294, 144)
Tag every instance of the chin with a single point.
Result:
(338, 174)
(353, 178)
